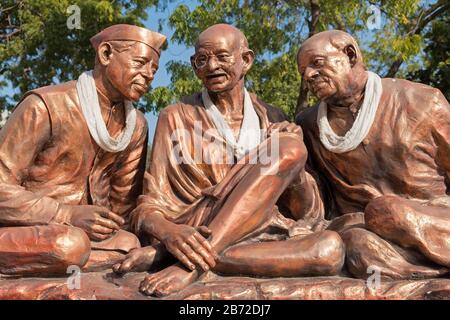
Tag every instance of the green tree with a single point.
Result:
(275, 29)
(436, 67)
(38, 48)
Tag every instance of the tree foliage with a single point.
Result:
(275, 30)
(436, 66)
(37, 48)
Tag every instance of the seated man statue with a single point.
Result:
(215, 214)
(381, 149)
(72, 161)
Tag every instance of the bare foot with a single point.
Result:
(140, 259)
(167, 281)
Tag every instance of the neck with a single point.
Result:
(352, 100)
(229, 101)
(108, 95)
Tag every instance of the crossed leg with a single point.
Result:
(248, 206)
(403, 238)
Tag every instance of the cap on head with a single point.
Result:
(127, 32)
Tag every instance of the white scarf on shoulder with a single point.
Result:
(363, 122)
(250, 133)
(87, 94)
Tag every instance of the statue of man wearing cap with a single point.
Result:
(72, 161)
(381, 149)
(206, 202)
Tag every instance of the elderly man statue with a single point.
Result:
(72, 161)
(219, 215)
(381, 149)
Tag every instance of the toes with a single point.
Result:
(116, 268)
(162, 290)
(146, 286)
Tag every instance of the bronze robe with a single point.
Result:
(191, 192)
(47, 158)
(406, 152)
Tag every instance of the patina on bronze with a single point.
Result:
(62, 196)
(389, 197)
(220, 216)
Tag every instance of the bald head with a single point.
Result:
(232, 35)
(330, 41)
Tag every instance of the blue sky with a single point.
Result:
(174, 51)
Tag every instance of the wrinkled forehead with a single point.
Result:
(217, 42)
(315, 47)
(142, 50)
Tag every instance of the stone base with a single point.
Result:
(107, 286)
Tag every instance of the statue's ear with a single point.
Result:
(104, 53)
(351, 53)
(193, 63)
(248, 56)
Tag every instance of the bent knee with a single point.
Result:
(72, 247)
(381, 211)
(359, 244)
(331, 252)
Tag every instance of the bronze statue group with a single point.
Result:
(361, 180)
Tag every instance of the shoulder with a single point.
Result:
(186, 105)
(273, 113)
(31, 106)
(66, 88)
(418, 97)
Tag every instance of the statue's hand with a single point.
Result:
(99, 223)
(189, 246)
(284, 126)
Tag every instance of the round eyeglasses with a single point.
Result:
(201, 60)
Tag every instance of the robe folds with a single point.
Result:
(191, 175)
(406, 152)
(48, 158)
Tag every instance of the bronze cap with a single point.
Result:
(127, 32)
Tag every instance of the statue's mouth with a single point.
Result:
(143, 87)
(216, 75)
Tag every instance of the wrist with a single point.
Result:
(156, 226)
(63, 215)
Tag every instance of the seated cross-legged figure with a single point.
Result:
(381, 149)
(72, 160)
(211, 213)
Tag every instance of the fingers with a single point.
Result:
(177, 253)
(204, 231)
(194, 256)
(98, 236)
(105, 213)
(205, 255)
(284, 126)
(101, 230)
(205, 243)
(107, 223)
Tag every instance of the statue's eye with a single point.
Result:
(318, 62)
(223, 57)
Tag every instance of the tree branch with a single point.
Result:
(425, 17)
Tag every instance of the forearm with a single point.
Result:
(151, 224)
(20, 207)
